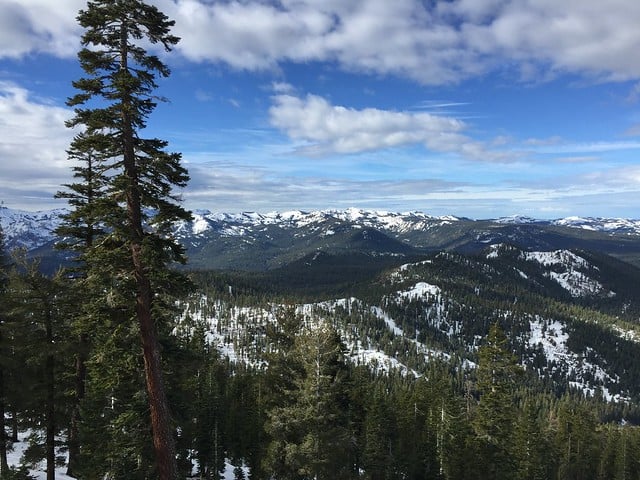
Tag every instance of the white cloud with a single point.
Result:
(28, 26)
(282, 87)
(633, 131)
(329, 129)
(586, 36)
(585, 159)
(229, 187)
(625, 178)
(444, 43)
(33, 162)
(591, 147)
(541, 142)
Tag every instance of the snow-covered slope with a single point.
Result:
(28, 230)
(552, 338)
(237, 224)
(278, 238)
(608, 225)
(570, 271)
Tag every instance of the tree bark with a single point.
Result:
(81, 375)
(4, 466)
(163, 442)
(51, 398)
(158, 405)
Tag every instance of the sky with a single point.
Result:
(476, 108)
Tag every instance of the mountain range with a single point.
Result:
(259, 242)
(405, 288)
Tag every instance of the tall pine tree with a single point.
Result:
(310, 434)
(495, 415)
(38, 309)
(79, 230)
(4, 356)
(114, 102)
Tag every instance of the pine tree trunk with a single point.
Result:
(4, 466)
(163, 442)
(81, 374)
(160, 421)
(50, 407)
(14, 426)
(158, 405)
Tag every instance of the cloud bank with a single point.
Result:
(432, 43)
(332, 129)
(32, 147)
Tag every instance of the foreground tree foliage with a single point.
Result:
(306, 413)
(125, 198)
(38, 311)
(96, 353)
(308, 428)
(4, 355)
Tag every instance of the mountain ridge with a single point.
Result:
(571, 316)
(260, 241)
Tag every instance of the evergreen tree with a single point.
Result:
(280, 395)
(141, 206)
(4, 355)
(38, 330)
(379, 439)
(309, 433)
(496, 412)
(533, 453)
(200, 400)
(79, 230)
(323, 404)
(114, 430)
(577, 440)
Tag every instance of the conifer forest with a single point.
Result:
(128, 362)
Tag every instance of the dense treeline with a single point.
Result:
(304, 412)
(107, 362)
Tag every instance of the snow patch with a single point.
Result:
(551, 335)
(419, 290)
(576, 282)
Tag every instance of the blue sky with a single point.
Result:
(478, 108)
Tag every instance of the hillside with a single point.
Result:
(393, 326)
(572, 317)
(260, 242)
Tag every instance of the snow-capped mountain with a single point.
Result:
(402, 290)
(237, 224)
(259, 241)
(29, 230)
(618, 226)
(608, 225)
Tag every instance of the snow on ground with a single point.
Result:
(232, 330)
(360, 353)
(577, 283)
(552, 336)
(39, 473)
(419, 290)
(400, 273)
(200, 225)
(421, 348)
(631, 335)
(557, 257)
(15, 455)
(379, 361)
